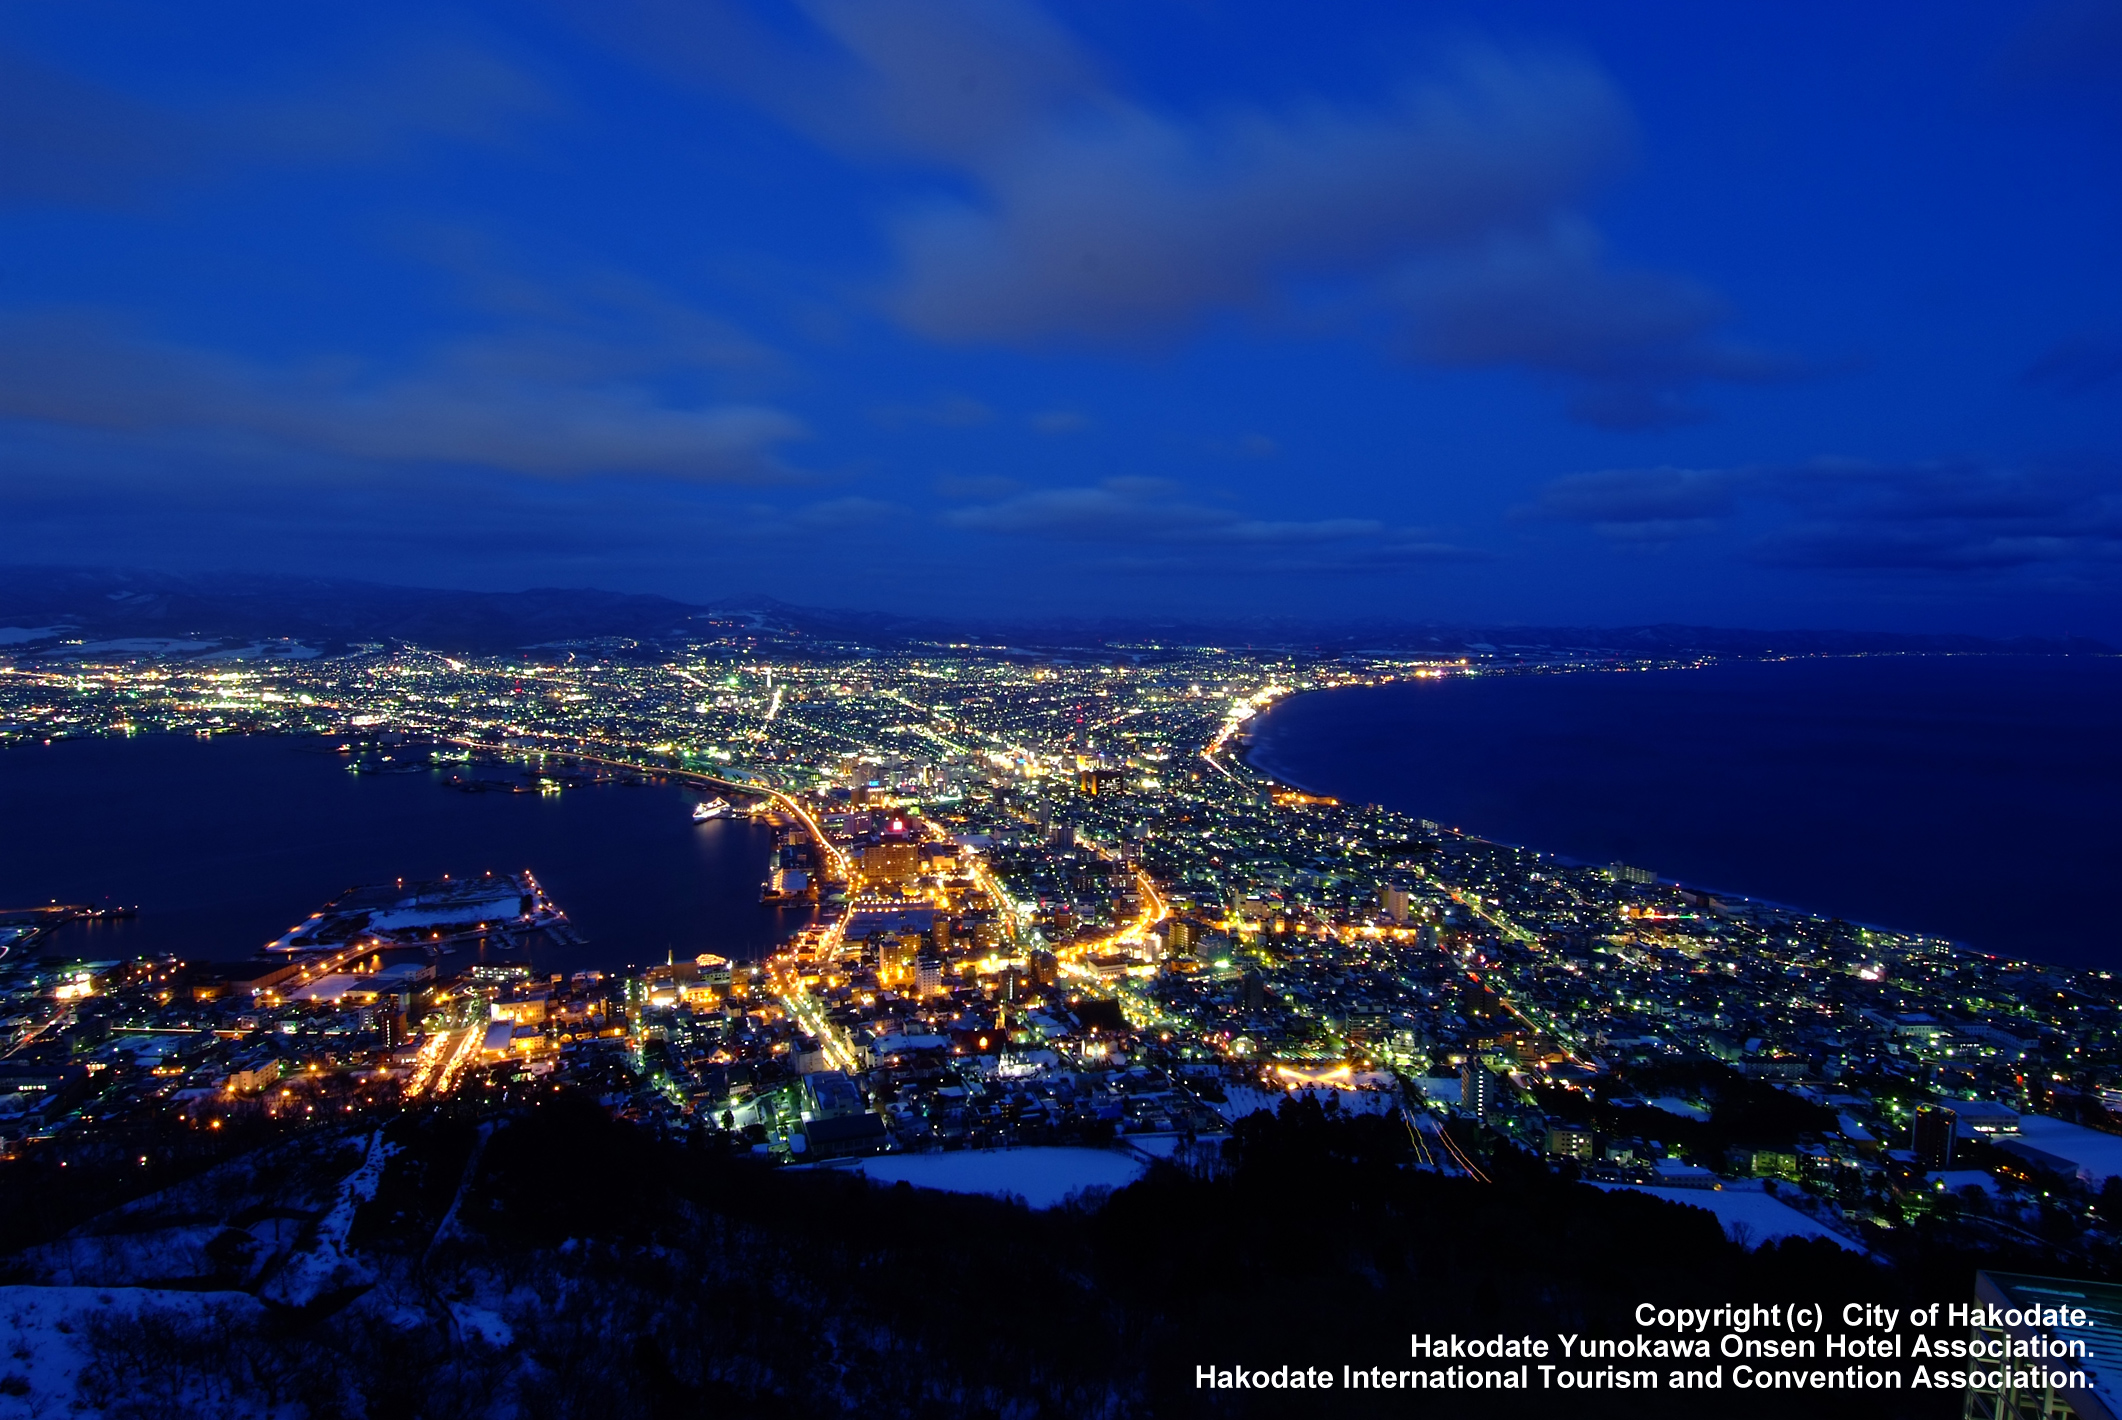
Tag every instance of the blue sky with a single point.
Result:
(1773, 315)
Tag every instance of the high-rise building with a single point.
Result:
(891, 862)
(1179, 935)
(1392, 903)
(928, 976)
(895, 961)
(1478, 1091)
(1935, 1130)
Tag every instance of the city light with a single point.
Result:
(1067, 878)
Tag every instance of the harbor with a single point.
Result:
(216, 848)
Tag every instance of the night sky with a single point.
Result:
(1754, 314)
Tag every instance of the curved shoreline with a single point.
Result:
(1913, 790)
(1276, 776)
(225, 846)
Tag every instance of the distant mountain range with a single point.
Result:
(99, 604)
(44, 608)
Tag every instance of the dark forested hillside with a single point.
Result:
(554, 1262)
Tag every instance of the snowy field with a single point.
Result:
(1041, 1177)
(1685, 1109)
(1241, 1100)
(2099, 1155)
(1749, 1215)
(46, 1334)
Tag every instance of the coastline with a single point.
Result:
(173, 824)
(1275, 776)
(1568, 766)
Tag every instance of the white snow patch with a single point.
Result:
(1853, 1129)
(326, 1266)
(503, 904)
(125, 1259)
(479, 1324)
(1435, 1089)
(907, 1044)
(1042, 1177)
(267, 651)
(44, 1335)
(1749, 1215)
(1241, 1100)
(2098, 1156)
(1686, 1109)
(150, 645)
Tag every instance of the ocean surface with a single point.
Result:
(225, 844)
(1974, 797)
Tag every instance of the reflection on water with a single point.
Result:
(1969, 796)
(225, 844)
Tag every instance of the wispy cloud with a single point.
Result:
(426, 525)
(970, 487)
(428, 87)
(1247, 446)
(1077, 214)
(1850, 515)
(526, 402)
(1630, 345)
(1945, 517)
(2079, 365)
(949, 411)
(1124, 512)
(2067, 44)
(69, 140)
(827, 518)
(1640, 505)
(1110, 221)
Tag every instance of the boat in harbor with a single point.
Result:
(712, 809)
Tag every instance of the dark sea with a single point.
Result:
(225, 844)
(1973, 797)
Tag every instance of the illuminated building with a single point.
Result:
(895, 961)
(1932, 1137)
(894, 863)
(1179, 937)
(1478, 1092)
(1568, 1141)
